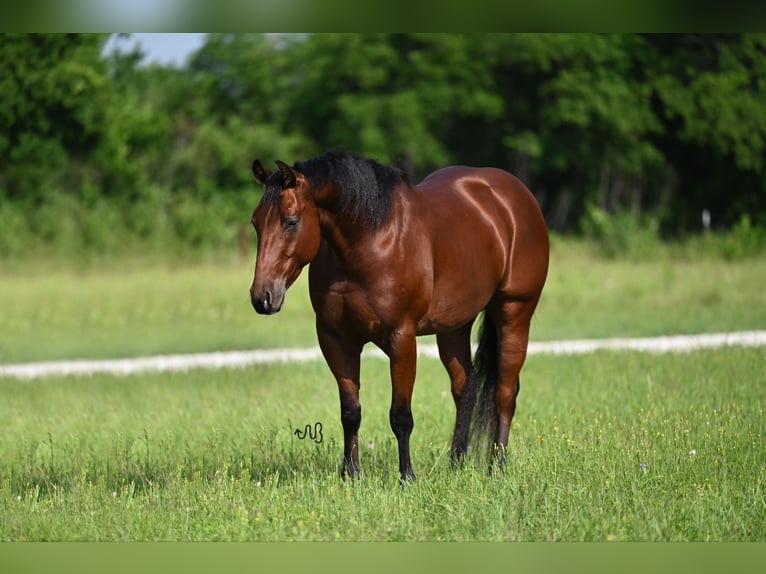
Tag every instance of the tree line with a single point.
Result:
(103, 150)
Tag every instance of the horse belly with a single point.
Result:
(463, 284)
(450, 311)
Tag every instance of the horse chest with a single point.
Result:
(348, 307)
(372, 298)
(363, 314)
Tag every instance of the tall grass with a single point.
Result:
(591, 296)
(139, 310)
(609, 446)
(625, 235)
(157, 223)
(127, 307)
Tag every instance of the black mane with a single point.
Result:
(363, 186)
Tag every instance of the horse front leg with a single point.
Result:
(343, 358)
(402, 351)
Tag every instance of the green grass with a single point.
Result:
(587, 296)
(132, 309)
(608, 446)
(102, 313)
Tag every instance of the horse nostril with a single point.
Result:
(261, 303)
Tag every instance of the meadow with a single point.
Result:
(609, 446)
(123, 308)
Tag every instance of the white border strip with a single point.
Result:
(675, 343)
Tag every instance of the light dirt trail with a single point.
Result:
(228, 359)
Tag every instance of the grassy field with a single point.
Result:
(108, 312)
(131, 309)
(606, 446)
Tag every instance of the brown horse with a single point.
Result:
(391, 261)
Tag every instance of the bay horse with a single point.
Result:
(390, 261)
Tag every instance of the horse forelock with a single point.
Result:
(273, 189)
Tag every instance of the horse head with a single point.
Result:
(286, 222)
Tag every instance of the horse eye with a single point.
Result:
(291, 224)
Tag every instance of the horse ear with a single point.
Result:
(261, 173)
(288, 174)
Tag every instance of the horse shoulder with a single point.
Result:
(339, 301)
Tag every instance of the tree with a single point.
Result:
(55, 102)
(390, 96)
(651, 128)
(710, 91)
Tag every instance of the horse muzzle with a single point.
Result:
(267, 301)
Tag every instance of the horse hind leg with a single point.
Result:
(513, 325)
(455, 354)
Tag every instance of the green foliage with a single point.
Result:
(58, 104)
(744, 241)
(100, 154)
(391, 96)
(13, 231)
(717, 93)
(622, 234)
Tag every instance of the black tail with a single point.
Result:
(477, 417)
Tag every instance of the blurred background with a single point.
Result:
(119, 143)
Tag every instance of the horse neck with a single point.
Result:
(343, 234)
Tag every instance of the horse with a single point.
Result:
(390, 261)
